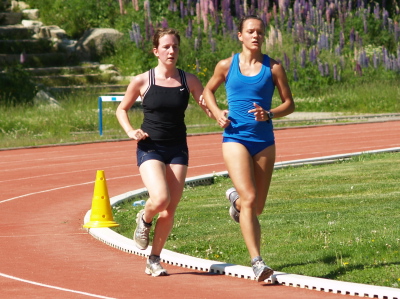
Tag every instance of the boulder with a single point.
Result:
(97, 42)
(31, 14)
(42, 98)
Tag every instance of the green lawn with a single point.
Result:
(338, 221)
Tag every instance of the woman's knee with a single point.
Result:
(248, 200)
(160, 202)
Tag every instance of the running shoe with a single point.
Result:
(142, 231)
(261, 271)
(232, 196)
(154, 268)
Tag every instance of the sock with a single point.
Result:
(147, 224)
(153, 257)
(256, 259)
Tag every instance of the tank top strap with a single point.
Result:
(152, 81)
(183, 79)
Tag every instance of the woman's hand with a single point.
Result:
(222, 119)
(137, 134)
(259, 113)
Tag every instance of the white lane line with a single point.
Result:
(54, 287)
(63, 187)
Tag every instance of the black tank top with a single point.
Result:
(164, 111)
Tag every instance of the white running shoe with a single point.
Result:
(142, 231)
(261, 271)
(232, 196)
(154, 268)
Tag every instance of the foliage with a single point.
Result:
(76, 16)
(16, 86)
(318, 44)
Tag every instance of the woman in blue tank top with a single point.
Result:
(162, 153)
(248, 144)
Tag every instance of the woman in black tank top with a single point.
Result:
(162, 153)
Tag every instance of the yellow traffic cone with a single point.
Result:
(101, 215)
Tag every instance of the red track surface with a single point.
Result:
(45, 193)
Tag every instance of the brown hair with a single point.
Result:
(164, 31)
(245, 18)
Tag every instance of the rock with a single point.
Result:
(97, 42)
(43, 98)
(30, 14)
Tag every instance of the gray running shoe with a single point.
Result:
(232, 196)
(261, 271)
(154, 268)
(142, 231)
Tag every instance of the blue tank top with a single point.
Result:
(242, 91)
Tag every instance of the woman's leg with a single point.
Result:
(263, 168)
(164, 200)
(153, 173)
(251, 177)
(241, 171)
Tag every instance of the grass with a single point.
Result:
(76, 119)
(337, 221)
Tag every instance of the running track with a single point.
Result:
(46, 191)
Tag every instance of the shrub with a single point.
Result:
(16, 86)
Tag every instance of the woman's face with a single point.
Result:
(252, 35)
(168, 49)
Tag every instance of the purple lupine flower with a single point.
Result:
(328, 15)
(252, 8)
(341, 40)
(275, 16)
(135, 5)
(204, 13)
(296, 10)
(198, 12)
(131, 36)
(290, 21)
(151, 30)
(321, 68)
(146, 5)
(295, 75)
(310, 17)
(376, 11)
(164, 23)
(189, 29)
(303, 58)
(287, 61)
(342, 62)
(358, 69)
(182, 9)
(237, 8)
(338, 51)
(301, 33)
(326, 69)
(384, 55)
(365, 24)
(135, 34)
(385, 17)
(213, 44)
(211, 8)
(335, 74)
(313, 55)
(352, 38)
(375, 60)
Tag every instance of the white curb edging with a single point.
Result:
(120, 242)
